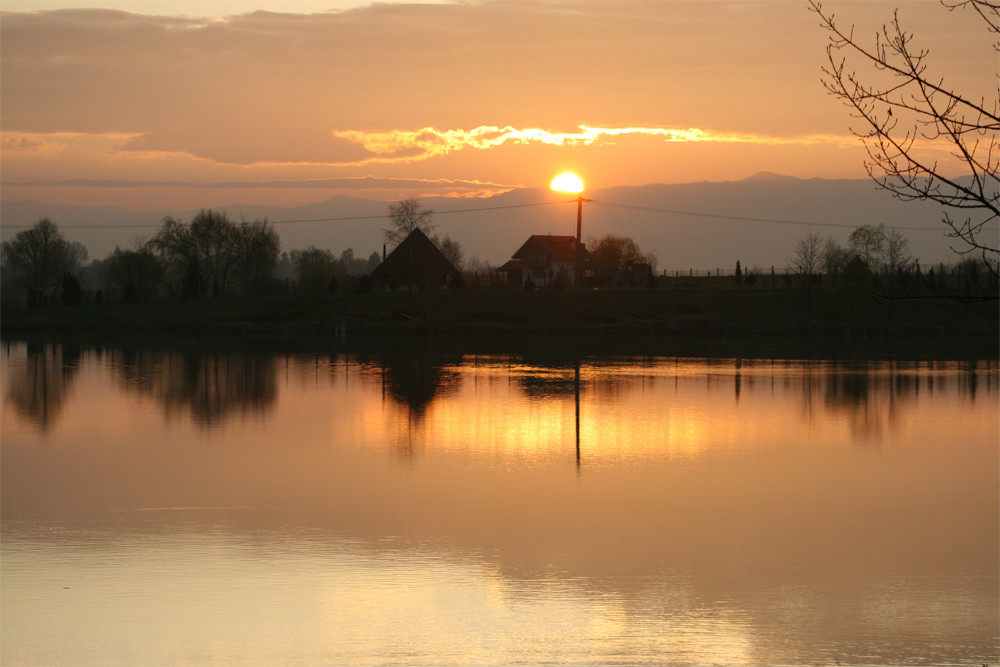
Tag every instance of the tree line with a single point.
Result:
(878, 260)
(210, 256)
(214, 256)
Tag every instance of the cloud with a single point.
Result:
(30, 144)
(357, 148)
(345, 182)
(261, 80)
(428, 90)
(429, 142)
(237, 142)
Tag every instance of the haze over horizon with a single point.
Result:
(697, 226)
(160, 105)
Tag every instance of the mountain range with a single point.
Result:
(702, 226)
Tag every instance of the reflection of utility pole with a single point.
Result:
(739, 365)
(576, 390)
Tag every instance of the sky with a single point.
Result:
(159, 104)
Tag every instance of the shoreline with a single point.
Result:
(499, 318)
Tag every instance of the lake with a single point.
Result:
(408, 505)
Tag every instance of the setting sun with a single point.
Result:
(567, 182)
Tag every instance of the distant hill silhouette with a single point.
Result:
(679, 239)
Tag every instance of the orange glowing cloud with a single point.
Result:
(429, 142)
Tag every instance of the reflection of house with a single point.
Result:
(416, 263)
(544, 261)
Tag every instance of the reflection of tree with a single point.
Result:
(416, 374)
(871, 396)
(856, 395)
(38, 389)
(212, 387)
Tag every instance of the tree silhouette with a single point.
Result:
(72, 293)
(316, 268)
(808, 255)
(214, 239)
(39, 257)
(257, 249)
(615, 253)
(221, 249)
(901, 108)
(405, 216)
(897, 254)
(452, 250)
(136, 273)
(867, 243)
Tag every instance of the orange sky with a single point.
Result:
(153, 109)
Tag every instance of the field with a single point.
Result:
(496, 313)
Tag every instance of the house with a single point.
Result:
(416, 263)
(544, 261)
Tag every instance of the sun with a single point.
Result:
(567, 182)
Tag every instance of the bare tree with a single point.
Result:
(867, 243)
(374, 260)
(897, 253)
(316, 268)
(136, 273)
(405, 216)
(901, 108)
(808, 255)
(39, 257)
(215, 247)
(256, 255)
(214, 238)
(452, 250)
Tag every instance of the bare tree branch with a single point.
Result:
(903, 110)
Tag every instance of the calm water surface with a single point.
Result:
(415, 507)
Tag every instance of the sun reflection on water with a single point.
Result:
(398, 508)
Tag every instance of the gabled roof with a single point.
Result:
(416, 257)
(559, 247)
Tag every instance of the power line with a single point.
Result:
(739, 218)
(632, 207)
(383, 216)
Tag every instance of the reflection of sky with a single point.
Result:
(340, 602)
(704, 525)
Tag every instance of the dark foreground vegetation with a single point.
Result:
(699, 312)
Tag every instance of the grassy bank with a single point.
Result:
(500, 313)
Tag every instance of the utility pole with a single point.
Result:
(579, 242)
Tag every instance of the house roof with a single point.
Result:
(559, 247)
(416, 257)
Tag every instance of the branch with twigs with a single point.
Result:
(903, 110)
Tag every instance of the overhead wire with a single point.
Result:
(350, 218)
(744, 218)
(632, 207)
